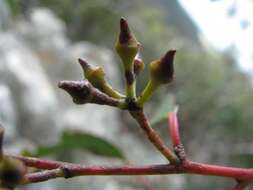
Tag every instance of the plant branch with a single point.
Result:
(38, 163)
(174, 129)
(68, 170)
(175, 136)
(153, 136)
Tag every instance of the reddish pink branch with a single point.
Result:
(38, 163)
(175, 136)
(174, 129)
(56, 169)
(153, 136)
(187, 167)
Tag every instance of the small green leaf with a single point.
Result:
(72, 140)
(167, 105)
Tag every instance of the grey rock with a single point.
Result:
(100, 120)
(34, 97)
(8, 115)
(15, 147)
(44, 31)
(5, 17)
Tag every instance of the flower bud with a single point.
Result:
(12, 172)
(162, 70)
(95, 75)
(138, 65)
(126, 46)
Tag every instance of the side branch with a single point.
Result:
(153, 136)
(175, 136)
(174, 129)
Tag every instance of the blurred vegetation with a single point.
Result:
(215, 99)
(78, 140)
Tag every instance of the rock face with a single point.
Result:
(4, 15)
(7, 112)
(32, 93)
(34, 56)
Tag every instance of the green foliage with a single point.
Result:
(77, 140)
(96, 21)
(87, 20)
(215, 95)
(13, 6)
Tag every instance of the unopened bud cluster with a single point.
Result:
(95, 88)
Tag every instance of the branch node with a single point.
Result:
(180, 152)
(66, 172)
(131, 104)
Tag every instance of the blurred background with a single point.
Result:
(40, 41)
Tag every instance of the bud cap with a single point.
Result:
(162, 70)
(126, 46)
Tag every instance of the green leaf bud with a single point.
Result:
(126, 46)
(95, 75)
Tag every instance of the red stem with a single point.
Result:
(62, 169)
(39, 163)
(174, 129)
(153, 136)
(56, 169)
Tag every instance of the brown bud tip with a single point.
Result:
(79, 90)
(125, 34)
(168, 58)
(85, 65)
(138, 66)
(163, 70)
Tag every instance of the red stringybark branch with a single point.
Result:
(175, 136)
(68, 170)
(57, 169)
(153, 136)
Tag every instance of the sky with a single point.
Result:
(225, 24)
